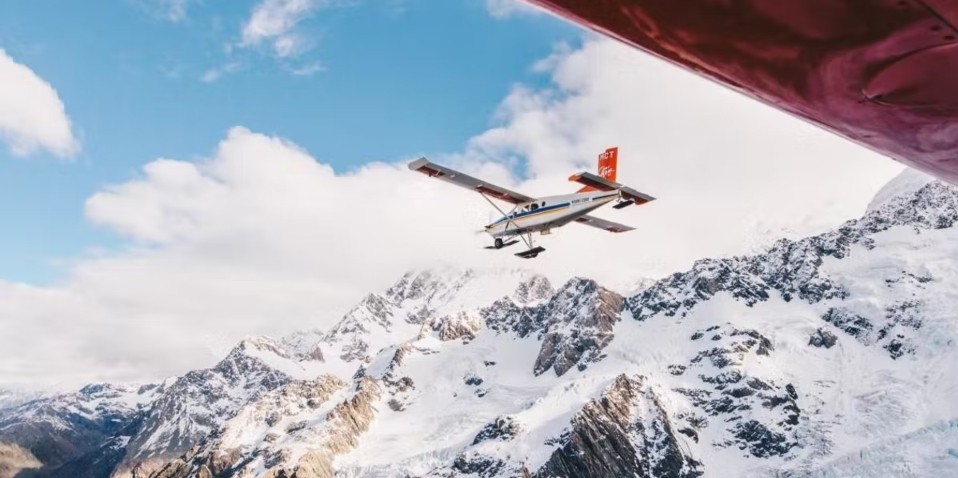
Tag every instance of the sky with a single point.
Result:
(178, 174)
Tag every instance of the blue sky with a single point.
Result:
(189, 215)
(396, 78)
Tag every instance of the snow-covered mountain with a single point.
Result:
(834, 355)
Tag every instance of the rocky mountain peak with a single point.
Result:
(905, 185)
(625, 432)
(823, 356)
(252, 345)
(533, 290)
(579, 322)
(793, 269)
(425, 284)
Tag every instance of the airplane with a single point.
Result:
(542, 214)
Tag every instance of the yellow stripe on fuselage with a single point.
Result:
(528, 216)
(542, 213)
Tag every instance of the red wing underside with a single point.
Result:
(452, 176)
(883, 73)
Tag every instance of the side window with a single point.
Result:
(535, 206)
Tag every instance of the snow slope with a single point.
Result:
(830, 356)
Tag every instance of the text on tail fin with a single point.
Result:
(608, 163)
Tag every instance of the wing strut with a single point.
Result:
(526, 238)
(493, 204)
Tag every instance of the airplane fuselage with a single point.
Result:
(549, 212)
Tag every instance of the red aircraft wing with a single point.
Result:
(883, 73)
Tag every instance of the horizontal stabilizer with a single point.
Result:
(635, 196)
(601, 184)
(595, 181)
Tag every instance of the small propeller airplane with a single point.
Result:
(530, 215)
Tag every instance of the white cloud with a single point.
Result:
(509, 8)
(169, 10)
(274, 22)
(175, 10)
(308, 69)
(262, 238)
(213, 75)
(32, 117)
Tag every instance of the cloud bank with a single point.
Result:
(274, 22)
(261, 237)
(32, 117)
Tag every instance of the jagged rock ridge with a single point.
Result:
(811, 359)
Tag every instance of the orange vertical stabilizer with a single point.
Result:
(608, 164)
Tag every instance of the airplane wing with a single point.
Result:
(603, 224)
(602, 184)
(464, 180)
(880, 73)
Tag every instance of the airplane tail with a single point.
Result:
(608, 163)
(605, 181)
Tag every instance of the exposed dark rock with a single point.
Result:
(395, 405)
(740, 392)
(503, 428)
(901, 319)
(694, 435)
(459, 326)
(759, 440)
(16, 461)
(822, 338)
(67, 427)
(733, 376)
(626, 432)
(792, 269)
(896, 348)
(853, 324)
(182, 416)
(504, 315)
(907, 314)
(718, 356)
(471, 463)
(676, 369)
(581, 318)
(536, 289)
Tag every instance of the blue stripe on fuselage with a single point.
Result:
(529, 213)
(542, 210)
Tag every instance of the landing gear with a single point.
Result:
(533, 251)
(499, 244)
